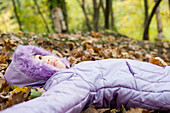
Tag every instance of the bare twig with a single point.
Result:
(85, 13)
(16, 14)
(38, 8)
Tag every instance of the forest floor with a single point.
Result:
(76, 47)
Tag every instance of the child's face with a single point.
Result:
(50, 60)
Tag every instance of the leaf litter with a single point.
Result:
(77, 47)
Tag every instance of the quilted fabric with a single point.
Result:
(104, 83)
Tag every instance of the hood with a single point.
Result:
(25, 71)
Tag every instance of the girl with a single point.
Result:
(103, 83)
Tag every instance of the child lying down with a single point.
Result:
(103, 83)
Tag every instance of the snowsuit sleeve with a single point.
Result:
(62, 96)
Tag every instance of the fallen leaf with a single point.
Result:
(158, 61)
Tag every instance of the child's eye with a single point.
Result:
(40, 57)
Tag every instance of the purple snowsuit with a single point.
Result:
(103, 83)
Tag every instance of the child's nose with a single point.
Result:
(46, 60)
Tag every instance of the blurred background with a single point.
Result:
(138, 19)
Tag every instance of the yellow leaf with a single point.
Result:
(20, 89)
(20, 33)
(7, 40)
(2, 59)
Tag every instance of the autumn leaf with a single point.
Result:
(19, 94)
(19, 89)
(158, 61)
(138, 110)
(96, 34)
(77, 47)
(2, 59)
(34, 94)
(20, 33)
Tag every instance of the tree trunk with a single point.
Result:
(58, 14)
(159, 23)
(64, 10)
(38, 8)
(84, 10)
(107, 12)
(146, 11)
(112, 15)
(16, 14)
(102, 5)
(58, 20)
(146, 33)
(96, 8)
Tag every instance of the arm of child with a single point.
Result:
(68, 96)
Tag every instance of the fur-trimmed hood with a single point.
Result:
(25, 71)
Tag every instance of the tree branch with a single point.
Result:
(84, 10)
(16, 14)
(38, 8)
(146, 30)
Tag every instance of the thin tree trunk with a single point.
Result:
(84, 10)
(107, 12)
(112, 15)
(16, 14)
(95, 15)
(51, 6)
(102, 5)
(146, 11)
(146, 30)
(96, 8)
(65, 15)
(38, 8)
(159, 23)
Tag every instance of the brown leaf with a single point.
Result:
(90, 110)
(86, 42)
(8, 45)
(96, 34)
(111, 38)
(4, 86)
(20, 33)
(2, 59)
(138, 110)
(158, 61)
(19, 95)
(165, 45)
(57, 53)
(2, 82)
(1, 77)
(3, 66)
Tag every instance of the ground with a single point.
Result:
(76, 47)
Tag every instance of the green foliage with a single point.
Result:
(34, 94)
(130, 19)
(76, 18)
(128, 14)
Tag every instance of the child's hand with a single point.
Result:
(158, 61)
